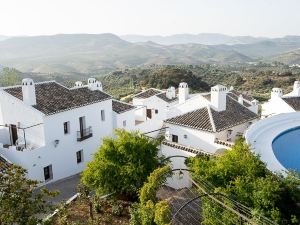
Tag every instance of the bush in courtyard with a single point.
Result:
(122, 164)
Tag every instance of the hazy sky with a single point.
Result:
(150, 17)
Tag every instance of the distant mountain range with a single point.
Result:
(204, 39)
(91, 53)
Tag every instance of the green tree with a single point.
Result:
(122, 164)
(150, 211)
(243, 176)
(10, 77)
(19, 201)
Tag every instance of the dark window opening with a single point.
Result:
(156, 111)
(66, 127)
(48, 175)
(175, 138)
(79, 156)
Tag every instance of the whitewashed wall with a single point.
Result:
(177, 163)
(195, 138)
(275, 106)
(63, 156)
(14, 112)
(127, 116)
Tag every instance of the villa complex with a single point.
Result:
(44, 124)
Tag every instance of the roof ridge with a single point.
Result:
(211, 118)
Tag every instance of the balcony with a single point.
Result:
(84, 134)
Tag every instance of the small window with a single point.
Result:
(79, 156)
(102, 115)
(48, 175)
(175, 138)
(124, 123)
(66, 127)
(185, 136)
(156, 111)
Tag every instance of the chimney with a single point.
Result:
(240, 99)
(92, 84)
(28, 91)
(254, 106)
(99, 86)
(78, 84)
(171, 93)
(218, 97)
(296, 88)
(183, 92)
(276, 93)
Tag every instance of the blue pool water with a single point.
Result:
(286, 148)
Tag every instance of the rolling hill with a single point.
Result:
(86, 53)
(93, 53)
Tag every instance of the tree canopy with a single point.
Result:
(122, 164)
(244, 177)
(19, 201)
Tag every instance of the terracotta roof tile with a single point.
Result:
(120, 107)
(52, 97)
(234, 114)
(294, 102)
(148, 93)
(163, 96)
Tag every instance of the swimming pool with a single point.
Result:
(286, 148)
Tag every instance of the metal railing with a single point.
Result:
(84, 134)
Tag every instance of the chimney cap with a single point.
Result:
(183, 85)
(219, 87)
(27, 81)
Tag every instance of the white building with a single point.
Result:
(213, 122)
(279, 103)
(123, 115)
(52, 131)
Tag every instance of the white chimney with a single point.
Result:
(183, 92)
(99, 86)
(171, 93)
(78, 84)
(276, 93)
(218, 97)
(254, 106)
(28, 91)
(240, 99)
(92, 84)
(296, 88)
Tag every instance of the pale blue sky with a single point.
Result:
(271, 18)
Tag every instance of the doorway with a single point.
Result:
(13, 134)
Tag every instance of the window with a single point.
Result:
(79, 156)
(156, 111)
(66, 127)
(48, 175)
(102, 115)
(185, 136)
(124, 123)
(174, 138)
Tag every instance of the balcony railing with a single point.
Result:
(84, 134)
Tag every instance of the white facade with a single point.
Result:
(47, 142)
(279, 103)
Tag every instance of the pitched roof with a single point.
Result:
(245, 96)
(120, 107)
(210, 120)
(52, 97)
(294, 102)
(164, 97)
(148, 93)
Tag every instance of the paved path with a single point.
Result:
(67, 188)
